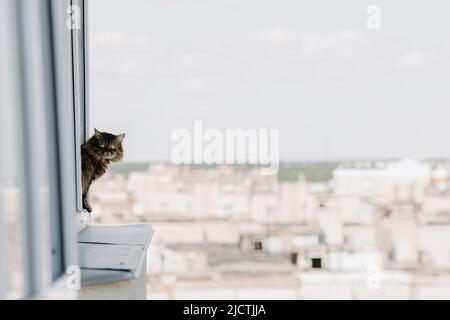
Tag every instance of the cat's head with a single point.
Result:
(107, 145)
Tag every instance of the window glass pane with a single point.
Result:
(11, 162)
(40, 134)
(30, 216)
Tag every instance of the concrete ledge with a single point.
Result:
(113, 261)
(131, 289)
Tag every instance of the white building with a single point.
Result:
(167, 191)
(401, 181)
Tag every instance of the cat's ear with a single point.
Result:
(119, 138)
(97, 133)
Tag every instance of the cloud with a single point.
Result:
(414, 60)
(341, 44)
(344, 42)
(120, 40)
(278, 36)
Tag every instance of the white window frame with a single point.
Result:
(45, 85)
(79, 68)
(66, 127)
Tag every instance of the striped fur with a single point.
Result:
(96, 154)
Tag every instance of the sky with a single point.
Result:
(312, 69)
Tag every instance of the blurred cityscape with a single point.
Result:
(356, 230)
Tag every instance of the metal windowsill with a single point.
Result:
(112, 253)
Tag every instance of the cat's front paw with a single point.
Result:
(87, 206)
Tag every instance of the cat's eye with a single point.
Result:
(102, 146)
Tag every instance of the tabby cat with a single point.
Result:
(96, 154)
